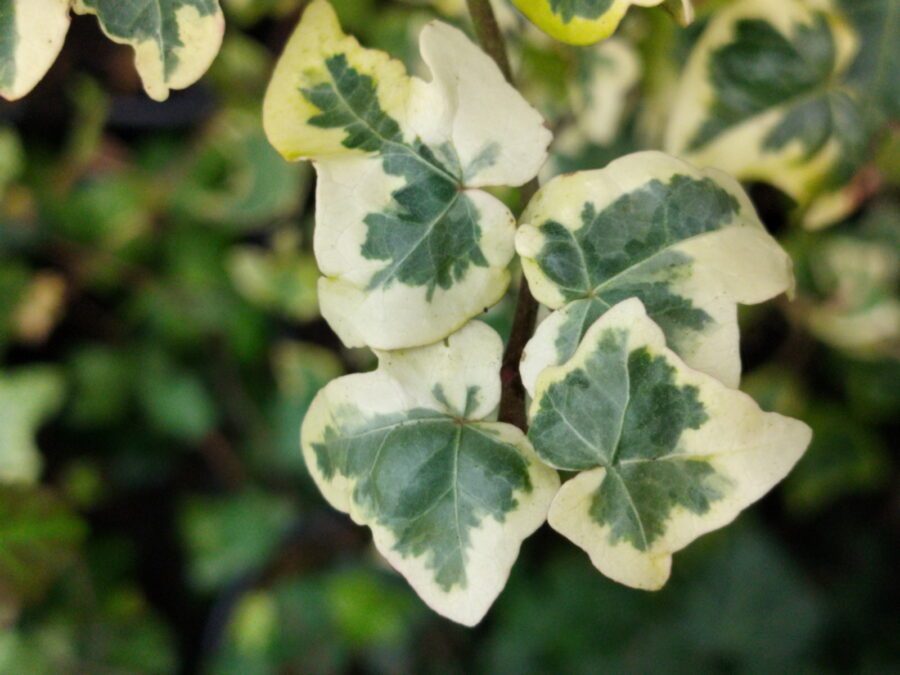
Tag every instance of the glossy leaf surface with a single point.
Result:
(665, 452)
(409, 451)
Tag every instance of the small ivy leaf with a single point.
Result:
(688, 243)
(409, 247)
(762, 98)
(584, 22)
(27, 398)
(666, 452)
(32, 33)
(174, 41)
(409, 451)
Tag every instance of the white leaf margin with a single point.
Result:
(404, 380)
(758, 450)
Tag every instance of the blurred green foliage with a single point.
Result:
(160, 344)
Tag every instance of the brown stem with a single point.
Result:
(512, 398)
(489, 35)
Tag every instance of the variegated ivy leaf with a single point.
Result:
(761, 97)
(583, 22)
(859, 309)
(606, 75)
(408, 451)
(174, 41)
(32, 33)
(409, 247)
(688, 243)
(665, 452)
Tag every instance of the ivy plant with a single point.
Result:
(770, 78)
(632, 377)
(174, 41)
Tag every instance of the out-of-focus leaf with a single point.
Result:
(316, 625)
(110, 629)
(248, 12)
(762, 97)
(741, 606)
(102, 380)
(870, 386)
(301, 370)
(859, 279)
(776, 388)
(40, 307)
(238, 181)
(12, 157)
(229, 536)
(367, 611)
(28, 397)
(606, 75)
(239, 72)
(39, 537)
(282, 280)
(845, 458)
(110, 210)
(878, 62)
(581, 22)
(14, 281)
(175, 400)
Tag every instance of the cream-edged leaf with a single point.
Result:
(174, 41)
(32, 33)
(665, 452)
(687, 242)
(28, 396)
(409, 450)
(762, 97)
(583, 22)
(409, 246)
(606, 75)
(860, 311)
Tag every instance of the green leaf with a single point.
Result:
(845, 459)
(317, 624)
(31, 35)
(410, 247)
(230, 536)
(583, 22)
(237, 181)
(878, 61)
(762, 98)
(38, 540)
(174, 41)
(688, 243)
(666, 453)
(300, 370)
(175, 401)
(28, 397)
(409, 451)
(282, 280)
